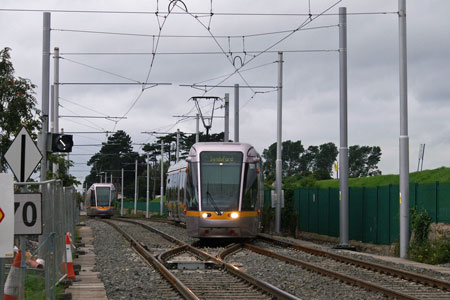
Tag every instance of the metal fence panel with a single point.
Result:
(304, 210)
(334, 212)
(426, 199)
(444, 202)
(313, 210)
(323, 199)
(59, 215)
(383, 215)
(394, 214)
(370, 215)
(355, 213)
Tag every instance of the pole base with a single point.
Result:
(345, 247)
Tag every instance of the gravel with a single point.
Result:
(122, 270)
(405, 267)
(295, 280)
(116, 261)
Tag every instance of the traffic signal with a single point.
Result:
(61, 142)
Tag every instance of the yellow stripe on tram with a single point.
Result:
(225, 216)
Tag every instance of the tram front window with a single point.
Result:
(103, 194)
(220, 180)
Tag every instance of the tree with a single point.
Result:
(316, 160)
(115, 154)
(17, 105)
(291, 162)
(63, 169)
(324, 161)
(363, 161)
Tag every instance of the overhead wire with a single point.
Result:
(83, 106)
(199, 14)
(99, 69)
(306, 22)
(245, 70)
(201, 52)
(189, 36)
(219, 45)
(97, 126)
(154, 50)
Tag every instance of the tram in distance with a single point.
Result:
(100, 200)
(217, 191)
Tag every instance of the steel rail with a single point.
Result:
(265, 286)
(176, 283)
(426, 280)
(345, 278)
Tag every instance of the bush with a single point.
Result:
(423, 250)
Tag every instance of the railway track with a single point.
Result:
(393, 283)
(196, 274)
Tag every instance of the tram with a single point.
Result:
(217, 191)
(100, 200)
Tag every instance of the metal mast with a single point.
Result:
(404, 139)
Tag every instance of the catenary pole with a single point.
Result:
(343, 148)
(178, 146)
(45, 93)
(197, 128)
(278, 164)
(404, 139)
(236, 113)
(148, 191)
(162, 179)
(55, 107)
(46, 228)
(121, 198)
(226, 135)
(135, 185)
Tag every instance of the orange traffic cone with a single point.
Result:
(70, 272)
(12, 282)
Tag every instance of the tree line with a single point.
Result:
(318, 161)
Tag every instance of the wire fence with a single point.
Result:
(60, 214)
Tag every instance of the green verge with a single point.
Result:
(428, 176)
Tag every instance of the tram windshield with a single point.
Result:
(103, 194)
(220, 173)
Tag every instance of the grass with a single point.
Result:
(428, 176)
(35, 288)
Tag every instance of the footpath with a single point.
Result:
(88, 285)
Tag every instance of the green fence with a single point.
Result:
(373, 212)
(153, 206)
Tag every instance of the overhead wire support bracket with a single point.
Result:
(205, 86)
(116, 83)
(207, 121)
(93, 117)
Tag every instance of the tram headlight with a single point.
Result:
(234, 215)
(206, 215)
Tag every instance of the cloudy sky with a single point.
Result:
(115, 47)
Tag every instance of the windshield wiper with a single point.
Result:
(208, 195)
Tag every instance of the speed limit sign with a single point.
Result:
(27, 213)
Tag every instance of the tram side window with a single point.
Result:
(251, 187)
(181, 183)
(169, 185)
(92, 198)
(192, 189)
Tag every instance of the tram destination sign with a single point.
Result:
(28, 213)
